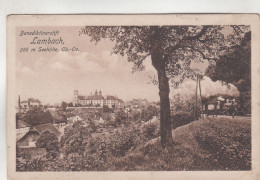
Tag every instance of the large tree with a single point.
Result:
(171, 49)
(234, 67)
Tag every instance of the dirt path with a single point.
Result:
(230, 117)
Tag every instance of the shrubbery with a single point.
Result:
(148, 113)
(120, 143)
(151, 131)
(107, 109)
(181, 118)
(230, 148)
(219, 144)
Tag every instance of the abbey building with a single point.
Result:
(96, 100)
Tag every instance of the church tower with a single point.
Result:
(19, 105)
(100, 93)
(75, 97)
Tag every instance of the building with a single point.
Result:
(21, 129)
(34, 102)
(96, 100)
(58, 120)
(219, 105)
(74, 119)
(111, 101)
(30, 138)
(32, 152)
(80, 117)
(23, 106)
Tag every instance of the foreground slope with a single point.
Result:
(212, 144)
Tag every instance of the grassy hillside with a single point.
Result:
(212, 144)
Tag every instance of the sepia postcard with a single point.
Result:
(166, 96)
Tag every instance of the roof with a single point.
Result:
(57, 118)
(68, 115)
(120, 100)
(111, 98)
(74, 112)
(81, 97)
(84, 116)
(43, 127)
(24, 102)
(220, 98)
(91, 97)
(22, 124)
(81, 116)
(34, 100)
(94, 97)
(32, 151)
(212, 101)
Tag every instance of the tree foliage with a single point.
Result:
(36, 116)
(172, 49)
(235, 65)
(120, 117)
(179, 45)
(107, 109)
(64, 105)
(184, 104)
(148, 113)
(75, 138)
(50, 142)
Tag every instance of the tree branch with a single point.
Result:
(180, 44)
(200, 52)
(203, 30)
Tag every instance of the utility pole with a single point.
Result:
(201, 100)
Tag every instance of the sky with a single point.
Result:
(52, 76)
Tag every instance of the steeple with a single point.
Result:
(100, 92)
(75, 97)
(19, 105)
(19, 101)
(96, 93)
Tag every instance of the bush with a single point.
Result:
(120, 143)
(107, 109)
(148, 113)
(151, 131)
(120, 117)
(181, 118)
(229, 143)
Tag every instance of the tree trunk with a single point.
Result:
(202, 113)
(165, 122)
(164, 90)
(196, 97)
(159, 63)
